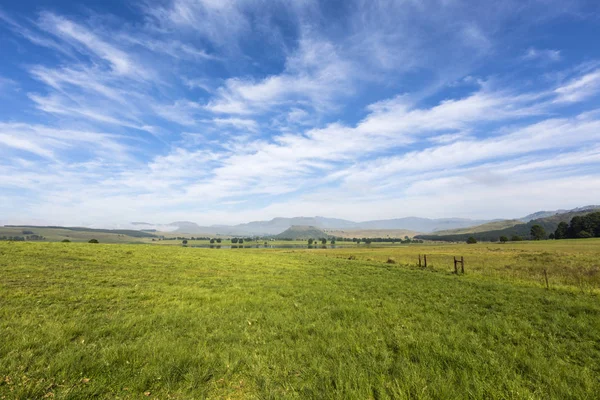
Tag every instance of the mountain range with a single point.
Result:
(280, 224)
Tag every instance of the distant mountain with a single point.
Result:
(420, 224)
(544, 214)
(490, 226)
(301, 232)
(549, 224)
(277, 225)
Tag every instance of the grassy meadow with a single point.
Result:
(106, 321)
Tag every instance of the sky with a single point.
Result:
(222, 112)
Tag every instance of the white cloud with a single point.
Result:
(86, 41)
(543, 55)
(314, 74)
(580, 88)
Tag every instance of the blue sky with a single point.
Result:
(221, 111)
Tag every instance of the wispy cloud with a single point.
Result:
(579, 88)
(543, 55)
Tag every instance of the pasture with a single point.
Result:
(79, 320)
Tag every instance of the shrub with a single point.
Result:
(471, 240)
(93, 241)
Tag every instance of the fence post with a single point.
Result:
(455, 266)
(425, 257)
(462, 264)
(419, 261)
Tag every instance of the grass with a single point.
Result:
(568, 263)
(131, 321)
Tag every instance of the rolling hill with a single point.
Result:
(78, 234)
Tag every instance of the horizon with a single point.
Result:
(223, 113)
(157, 226)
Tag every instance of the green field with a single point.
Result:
(108, 321)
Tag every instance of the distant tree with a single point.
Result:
(562, 231)
(184, 241)
(93, 241)
(66, 241)
(471, 240)
(212, 241)
(219, 240)
(323, 241)
(515, 238)
(367, 241)
(332, 241)
(551, 236)
(234, 240)
(503, 239)
(241, 241)
(310, 241)
(537, 232)
(584, 235)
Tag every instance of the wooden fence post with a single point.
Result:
(425, 257)
(419, 261)
(462, 264)
(455, 266)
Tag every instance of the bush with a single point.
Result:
(66, 241)
(93, 241)
(471, 240)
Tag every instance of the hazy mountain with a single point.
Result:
(420, 224)
(278, 225)
(544, 214)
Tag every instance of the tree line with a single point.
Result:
(580, 227)
(22, 238)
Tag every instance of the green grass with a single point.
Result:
(118, 321)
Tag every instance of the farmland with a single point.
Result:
(80, 320)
